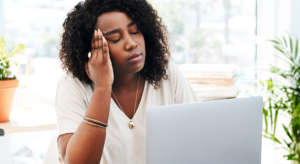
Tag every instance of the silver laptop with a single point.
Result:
(213, 132)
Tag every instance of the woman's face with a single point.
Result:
(125, 41)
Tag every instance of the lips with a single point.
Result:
(135, 55)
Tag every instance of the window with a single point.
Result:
(210, 31)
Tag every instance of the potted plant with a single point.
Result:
(8, 83)
(282, 98)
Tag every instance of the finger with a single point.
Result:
(105, 50)
(93, 52)
(93, 42)
(100, 43)
(97, 43)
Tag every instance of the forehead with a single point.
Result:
(112, 20)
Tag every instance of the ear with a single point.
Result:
(87, 69)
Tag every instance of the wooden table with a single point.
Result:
(41, 117)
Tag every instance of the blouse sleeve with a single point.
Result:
(182, 89)
(70, 104)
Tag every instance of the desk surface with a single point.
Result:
(41, 117)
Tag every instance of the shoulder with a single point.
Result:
(70, 84)
(174, 75)
(173, 71)
(172, 66)
(68, 80)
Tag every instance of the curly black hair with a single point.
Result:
(79, 26)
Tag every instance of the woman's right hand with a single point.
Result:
(99, 67)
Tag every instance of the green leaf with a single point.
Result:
(270, 83)
(261, 82)
(274, 41)
(266, 119)
(18, 50)
(3, 63)
(275, 121)
(271, 113)
(2, 48)
(287, 144)
(290, 156)
(291, 44)
(7, 65)
(284, 52)
(8, 73)
(279, 40)
(272, 138)
(294, 122)
(287, 132)
(285, 42)
(3, 75)
(287, 61)
(296, 49)
(279, 49)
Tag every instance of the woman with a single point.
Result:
(117, 56)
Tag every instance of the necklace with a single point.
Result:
(131, 124)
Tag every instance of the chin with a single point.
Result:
(138, 67)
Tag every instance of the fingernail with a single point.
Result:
(104, 39)
(95, 32)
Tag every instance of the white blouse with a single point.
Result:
(122, 144)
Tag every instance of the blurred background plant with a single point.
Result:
(6, 59)
(282, 97)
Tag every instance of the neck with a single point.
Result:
(125, 82)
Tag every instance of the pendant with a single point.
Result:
(131, 125)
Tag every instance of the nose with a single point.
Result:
(130, 43)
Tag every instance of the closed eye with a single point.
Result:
(115, 41)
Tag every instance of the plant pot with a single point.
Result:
(7, 94)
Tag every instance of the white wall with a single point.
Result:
(295, 23)
(2, 19)
(273, 19)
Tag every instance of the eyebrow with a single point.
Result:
(118, 30)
